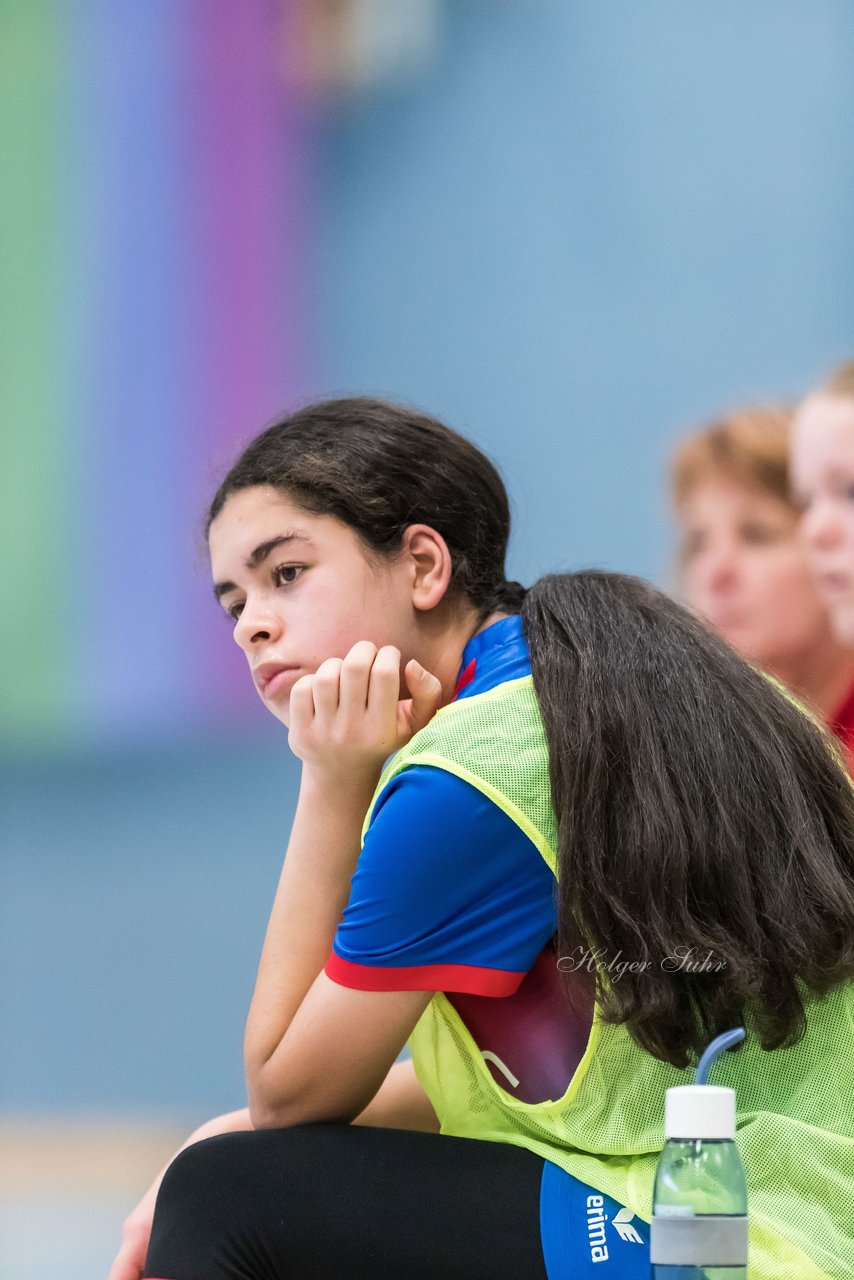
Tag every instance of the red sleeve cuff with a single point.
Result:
(462, 978)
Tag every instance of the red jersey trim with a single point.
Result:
(468, 978)
(465, 679)
(842, 724)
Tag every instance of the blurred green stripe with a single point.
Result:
(32, 449)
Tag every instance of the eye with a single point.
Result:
(286, 574)
(692, 544)
(758, 534)
(233, 611)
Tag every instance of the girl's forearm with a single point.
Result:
(313, 890)
(231, 1122)
(400, 1103)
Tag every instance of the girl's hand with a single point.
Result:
(136, 1230)
(348, 718)
(136, 1233)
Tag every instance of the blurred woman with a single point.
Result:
(823, 481)
(743, 567)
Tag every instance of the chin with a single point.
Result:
(279, 713)
(279, 710)
(742, 641)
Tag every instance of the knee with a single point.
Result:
(200, 1176)
(196, 1212)
(223, 1178)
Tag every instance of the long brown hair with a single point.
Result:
(702, 817)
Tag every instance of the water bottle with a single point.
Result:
(699, 1201)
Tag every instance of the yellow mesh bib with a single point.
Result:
(795, 1106)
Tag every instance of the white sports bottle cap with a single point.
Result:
(699, 1111)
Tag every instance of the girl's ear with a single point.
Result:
(429, 561)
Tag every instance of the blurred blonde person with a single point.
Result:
(743, 567)
(823, 481)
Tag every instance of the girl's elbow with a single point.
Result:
(268, 1111)
(269, 1108)
(265, 1117)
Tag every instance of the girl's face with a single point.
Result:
(823, 479)
(746, 573)
(301, 588)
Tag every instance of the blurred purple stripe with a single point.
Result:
(183, 186)
(247, 165)
(132, 515)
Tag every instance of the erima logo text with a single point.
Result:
(596, 1219)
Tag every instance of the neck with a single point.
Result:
(821, 678)
(442, 652)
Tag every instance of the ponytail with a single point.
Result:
(705, 824)
(508, 597)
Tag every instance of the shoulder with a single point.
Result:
(476, 726)
(495, 743)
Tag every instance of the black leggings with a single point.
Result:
(348, 1202)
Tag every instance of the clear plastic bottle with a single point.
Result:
(699, 1226)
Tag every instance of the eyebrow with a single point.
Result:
(259, 555)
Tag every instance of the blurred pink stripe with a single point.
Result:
(247, 146)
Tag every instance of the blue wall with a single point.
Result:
(586, 226)
(134, 895)
(595, 223)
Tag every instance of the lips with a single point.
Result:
(726, 618)
(834, 584)
(267, 675)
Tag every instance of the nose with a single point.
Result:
(722, 569)
(258, 624)
(820, 525)
(716, 569)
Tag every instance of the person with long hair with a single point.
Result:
(555, 839)
(742, 565)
